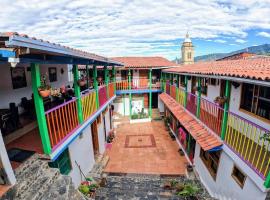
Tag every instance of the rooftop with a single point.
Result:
(144, 62)
(258, 68)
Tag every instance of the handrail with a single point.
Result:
(61, 105)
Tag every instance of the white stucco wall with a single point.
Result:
(81, 150)
(6, 163)
(225, 187)
(119, 107)
(101, 137)
(107, 122)
(160, 105)
(8, 94)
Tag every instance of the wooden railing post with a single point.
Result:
(226, 109)
(40, 112)
(130, 97)
(186, 92)
(96, 85)
(150, 93)
(267, 181)
(77, 93)
(162, 81)
(199, 98)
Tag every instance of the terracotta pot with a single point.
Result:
(81, 83)
(44, 93)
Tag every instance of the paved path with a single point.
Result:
(145, 148)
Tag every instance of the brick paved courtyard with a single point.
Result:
(145, 148)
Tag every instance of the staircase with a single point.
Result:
(135, 186)
(37, 181)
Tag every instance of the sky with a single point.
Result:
(141, 27)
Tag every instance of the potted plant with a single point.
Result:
(44, 89)
(220, 100)
(189, 168)
(189, 192)
(181, 152)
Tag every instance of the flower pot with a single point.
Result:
(81, 83)
(44, 93)
(189, 168)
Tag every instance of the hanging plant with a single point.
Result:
(44, 90)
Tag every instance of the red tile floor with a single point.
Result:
(30, 141)
(145, 148)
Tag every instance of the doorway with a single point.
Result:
(193, 84)
(155, 100)
(94, 131)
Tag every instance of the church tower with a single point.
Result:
(187, 51)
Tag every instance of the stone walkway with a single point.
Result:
(145, 148)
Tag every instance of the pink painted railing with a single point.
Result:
(173, 91)
(102, 95)
(61, 121)
(211, 115)
(168, 86)
(192, 103)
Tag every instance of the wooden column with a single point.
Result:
(77, 93)
(106, 77)
(40, 112)
(130, 97)
(114, 79)
(87, 76)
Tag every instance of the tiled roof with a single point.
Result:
(205, 138)
(144, 62)
(251, 69)
(23, 38)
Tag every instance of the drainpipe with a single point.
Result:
(198, 111)
(226, 109)
(39, 106)
(77, 93)
(96, 85)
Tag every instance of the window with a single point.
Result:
(256, 99)
(204, 84)
(211, 161)
(189, 55)
(52, 74)
(238, 176)
(62, 163)
(182, 80)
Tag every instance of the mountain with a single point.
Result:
(263, 49)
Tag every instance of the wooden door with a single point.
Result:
(94, 131)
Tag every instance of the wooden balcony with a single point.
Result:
(137, 84)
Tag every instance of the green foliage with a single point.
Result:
(266, 136)
(93, 186)
(188, 191)
(173, 183)
(84, 189)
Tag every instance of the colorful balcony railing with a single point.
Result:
(61, 121)
(211, 115)
(192, 103)
(140, 83)
(88, 104)
(111, 90)
(173, 91)
(246, 139)
(122, 85)
(102, 95)
(180, 98)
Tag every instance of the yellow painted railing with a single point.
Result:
(246, 139)
(88, 104)
(180, 96)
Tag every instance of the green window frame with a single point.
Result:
(62, 163)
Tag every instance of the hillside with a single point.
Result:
(263, 49)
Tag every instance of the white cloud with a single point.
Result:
(264, 34)
(220, 41)
(120, 27)
(240, 41)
